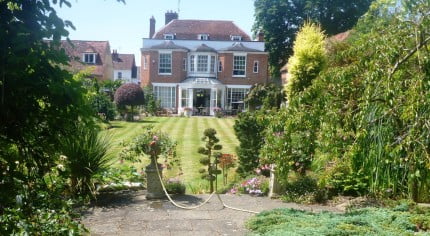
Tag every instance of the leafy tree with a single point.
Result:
(265, 96)
(367, 114)
(295, 125)
(151, 104)
(249, 129)
(280, 20)
(129, 95)
(308, 60)
(110, 87)
(211, 158)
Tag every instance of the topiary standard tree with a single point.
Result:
(129, 95)
(212, 165)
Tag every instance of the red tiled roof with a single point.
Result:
(123, 61)
(340, 37)
(190, 29)
(78, 47)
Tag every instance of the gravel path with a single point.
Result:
(129, 213)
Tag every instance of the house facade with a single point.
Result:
(124, 68)
(201, 64)
(92, 56)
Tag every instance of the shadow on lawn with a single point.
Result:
(118, 126)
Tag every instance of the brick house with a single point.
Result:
(94, 56)
(124, 67)
(201, 64)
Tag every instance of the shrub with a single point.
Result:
(175, 186)
(102, 104)
(210, 158)
(151, 105)
(304, 189)
(129, 95)
(152, 144)
(249, 129)
(256, 185)
(86, 154)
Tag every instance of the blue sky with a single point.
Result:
(124, 26)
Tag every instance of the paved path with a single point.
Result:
(131, 214)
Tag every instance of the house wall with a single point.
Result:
(126, 75)
(107, 65)
(150, 74)
(226, 75)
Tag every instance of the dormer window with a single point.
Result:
(203, 36)
(169, 36)
(236, 38)
(89, 58)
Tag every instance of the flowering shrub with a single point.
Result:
(256, 186)
(153, 144)
(263, 170)
(218, 112)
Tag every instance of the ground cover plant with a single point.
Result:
(401, 220)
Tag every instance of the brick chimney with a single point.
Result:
(115, 55)
(151, 27)
(170, 15)
(260, 36)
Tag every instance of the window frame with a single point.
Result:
(236, 71)
(84, 58)
(169, 36)
(204, 37)
(119, 75)
(220, 66)
(167, 98)
(145, 63)
(159, 63)
(236, 37)
(202, 64)
(255, 66)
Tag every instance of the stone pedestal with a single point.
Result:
(275, 188)
(154, 190)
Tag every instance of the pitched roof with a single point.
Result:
(190, 29)
(77, 48)
(204, 48)
(168, 44)
(122, 61)
(239, 47)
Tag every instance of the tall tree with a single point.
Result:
(280, 20)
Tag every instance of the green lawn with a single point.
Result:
(187, 132)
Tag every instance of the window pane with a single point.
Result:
(255, 69)
(165, 65)
(202, 63)
(239, 65)
(166, 96)
(192, 63)
(212, 64)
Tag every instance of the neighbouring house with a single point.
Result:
(202, 65)
(93, 56)
(124, 68)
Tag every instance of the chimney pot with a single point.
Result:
(169, 16)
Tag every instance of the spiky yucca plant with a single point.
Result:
(87, 154)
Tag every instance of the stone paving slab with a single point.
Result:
(129, 213)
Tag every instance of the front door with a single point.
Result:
(201, 101)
